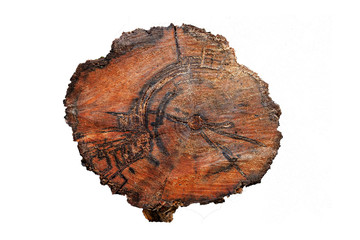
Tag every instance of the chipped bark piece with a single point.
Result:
(169, 118)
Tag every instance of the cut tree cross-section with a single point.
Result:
(169, 118)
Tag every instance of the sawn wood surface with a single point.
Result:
(169, 118)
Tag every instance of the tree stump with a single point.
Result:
(169, 118)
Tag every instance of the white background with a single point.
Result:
(308, 52)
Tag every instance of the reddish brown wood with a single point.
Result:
(169, 118)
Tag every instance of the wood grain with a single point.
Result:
(169, 118)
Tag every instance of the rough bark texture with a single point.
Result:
(169, 118)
